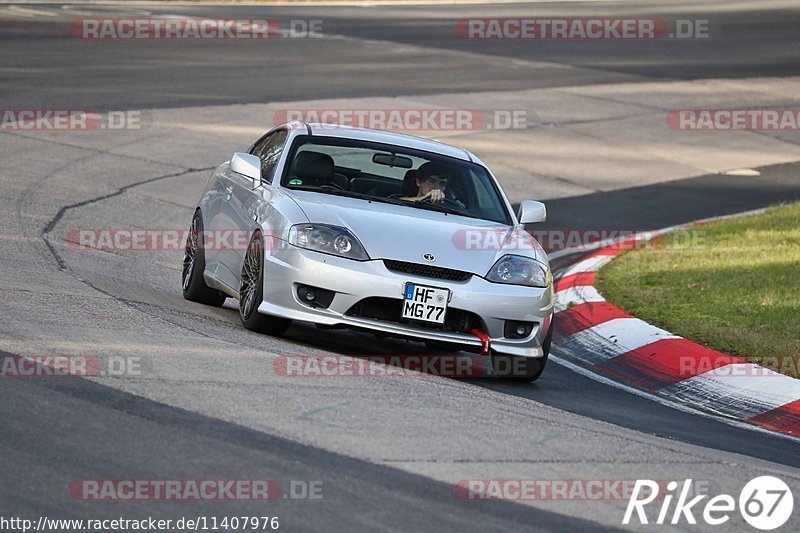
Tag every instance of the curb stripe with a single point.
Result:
(785, 419)
(615, 337)
(585, 315)
(743, 393)
(666, 362)
(575, 280)
(627, 244)
(593, 263)
(616, 344)
(576, 295)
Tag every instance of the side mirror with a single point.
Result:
(247, 165)
(531, 212)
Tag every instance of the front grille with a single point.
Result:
(390, 309)
(427, 271)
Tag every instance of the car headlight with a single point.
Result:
(519, 270)
(328, 240)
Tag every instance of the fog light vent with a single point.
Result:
(314, 296)
(518, 330)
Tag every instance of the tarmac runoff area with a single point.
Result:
(576, 141)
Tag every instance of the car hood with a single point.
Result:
(406, 233)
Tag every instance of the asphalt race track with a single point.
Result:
(208, 404)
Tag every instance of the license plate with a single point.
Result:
(428, 304)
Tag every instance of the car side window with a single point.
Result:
(269, 150)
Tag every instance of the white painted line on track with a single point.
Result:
(26, 12)
(627, 334)
(69, 10)
(592, 264)
(666, 402)
(577, 295)
(738, 390)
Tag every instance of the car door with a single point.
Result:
(242, 208)
(219, 228)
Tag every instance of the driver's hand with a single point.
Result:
(434, 196)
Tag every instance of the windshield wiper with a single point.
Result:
(330, 189)
(441, 208)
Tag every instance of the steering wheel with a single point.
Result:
(448, 202)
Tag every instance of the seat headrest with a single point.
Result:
(410, 183)
(433, 169)
(314, 168)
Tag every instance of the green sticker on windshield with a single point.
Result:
(295, 182)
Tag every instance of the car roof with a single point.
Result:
(388, 137)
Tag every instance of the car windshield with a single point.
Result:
(393, 174)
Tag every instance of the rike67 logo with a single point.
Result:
(765, 503)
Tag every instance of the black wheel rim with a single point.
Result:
(251, 277)
(190, 252)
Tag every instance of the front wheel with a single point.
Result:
(251, 292)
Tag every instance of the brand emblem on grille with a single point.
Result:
(428, 257)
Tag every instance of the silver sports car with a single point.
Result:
(378, 231)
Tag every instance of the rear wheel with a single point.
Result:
(523, 368)
(251, 292)
(194, 263)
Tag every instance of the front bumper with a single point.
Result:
(286, 267)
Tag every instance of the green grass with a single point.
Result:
(733, 285)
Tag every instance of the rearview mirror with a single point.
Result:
(531, 212)
(391, 160)
(247, 165)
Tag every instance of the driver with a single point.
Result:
(431, 181)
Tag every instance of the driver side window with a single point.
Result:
(269, 150)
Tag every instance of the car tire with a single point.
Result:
(194, 263)
(251, 292)
(527, 369)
